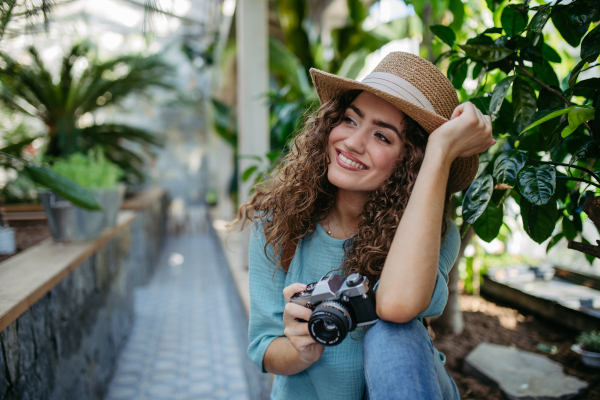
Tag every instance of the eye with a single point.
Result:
(348, 120)
(382, 137)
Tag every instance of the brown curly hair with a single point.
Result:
(298, 195)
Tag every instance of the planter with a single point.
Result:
(8, 244)
(111, 204)
(589, 358)
(69, 223)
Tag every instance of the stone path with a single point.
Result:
(184, 344)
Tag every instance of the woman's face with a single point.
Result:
(365, 147)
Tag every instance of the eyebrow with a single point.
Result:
(376, 122)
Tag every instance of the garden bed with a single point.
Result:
(490, 322)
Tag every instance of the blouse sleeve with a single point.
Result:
(448, 254)
(266, 298)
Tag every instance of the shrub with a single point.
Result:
(590, 341)
(91, 171)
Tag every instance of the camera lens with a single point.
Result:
(329, 323)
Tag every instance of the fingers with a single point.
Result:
(291, 290)
(293, 312)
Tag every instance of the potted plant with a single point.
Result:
(95, 173)
(588, 345)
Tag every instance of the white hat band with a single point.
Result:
(397, 87)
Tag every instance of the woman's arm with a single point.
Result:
(409, 273)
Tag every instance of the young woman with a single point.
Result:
(365, 188)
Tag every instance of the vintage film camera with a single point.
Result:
(339, 306)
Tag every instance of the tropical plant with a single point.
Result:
(65, 103)
(589, 341)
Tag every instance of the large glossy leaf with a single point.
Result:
(580, 114)
(590, 46)
(62, 186)
(524, 103)
(548, 117)
(588, 150)
(445, 33)
(539, 221)
(499, 94)
(577, 70)
(572, 21)
(514, 19)
(537, 183)
(508, 165)
(569, 229)
(545, 73)
(459, 73)
(488, 225)
(486, 51)
(476, 198)
(540, 18)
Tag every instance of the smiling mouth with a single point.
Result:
(350, 162)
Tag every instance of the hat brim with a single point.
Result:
(329, 86)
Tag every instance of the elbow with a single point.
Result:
(397, 311)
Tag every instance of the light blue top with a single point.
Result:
(338, 374)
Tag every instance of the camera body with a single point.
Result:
(339, 306)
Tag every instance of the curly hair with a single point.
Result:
(298, 195)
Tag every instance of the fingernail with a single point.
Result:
(302, 286)
(495, 141)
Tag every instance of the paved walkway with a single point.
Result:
(184, 344)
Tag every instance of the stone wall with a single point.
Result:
(65, 346)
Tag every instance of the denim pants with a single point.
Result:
(401, 363)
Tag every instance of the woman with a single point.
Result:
(366, 188)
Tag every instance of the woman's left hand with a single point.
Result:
(467, 133)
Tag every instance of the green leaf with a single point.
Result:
(353, 64)
(568, 228)
(580, 114)
(576, 70)
(588, 150)
(546, 74)
(537, 184)
(524, 103)
(514, 19)
(555, 239)
(499, 94)
(459, 75)
(540, 18)
(508, 165)
(548, 117)
(445, 33)
(550, 54)
(488, 225)
(444, 55)
(572, 21)
(273, 155)
(590, 46)
(476, 198)
(248, 173)
(457, 8)
(62, 186)
(486, 52)
(539, 221)
(493, 30)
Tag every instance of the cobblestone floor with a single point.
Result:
(182, 346)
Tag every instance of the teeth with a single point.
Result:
(350, 162)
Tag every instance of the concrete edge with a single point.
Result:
(259, 384)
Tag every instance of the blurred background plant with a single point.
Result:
(91, 170)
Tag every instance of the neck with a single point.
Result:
(342, 219)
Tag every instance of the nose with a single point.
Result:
(357, 141)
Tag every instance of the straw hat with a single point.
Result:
(416, 87)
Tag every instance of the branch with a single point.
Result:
(570, 178)
(542, 84)
(568, 166)
(585, 248)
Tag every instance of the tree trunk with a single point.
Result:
(452, 316)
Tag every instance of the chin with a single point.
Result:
(345, 181)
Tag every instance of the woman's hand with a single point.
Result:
(297, 332)
(467, 133)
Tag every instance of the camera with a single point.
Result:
(339, 306)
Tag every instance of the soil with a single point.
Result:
(492, 322)
(27, 234)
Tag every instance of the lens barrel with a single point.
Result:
(329, 323)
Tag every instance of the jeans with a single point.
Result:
(401, 363)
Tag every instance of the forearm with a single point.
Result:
(409, 273)
(281, 358)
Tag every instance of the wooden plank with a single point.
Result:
(144, 199)
(21, 207)
(25, 216)
(28, 276)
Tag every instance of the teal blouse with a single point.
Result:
(338, 374)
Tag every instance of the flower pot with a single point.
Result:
(8, 244)
(69, 223)
(589, 358)
(111, 204)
